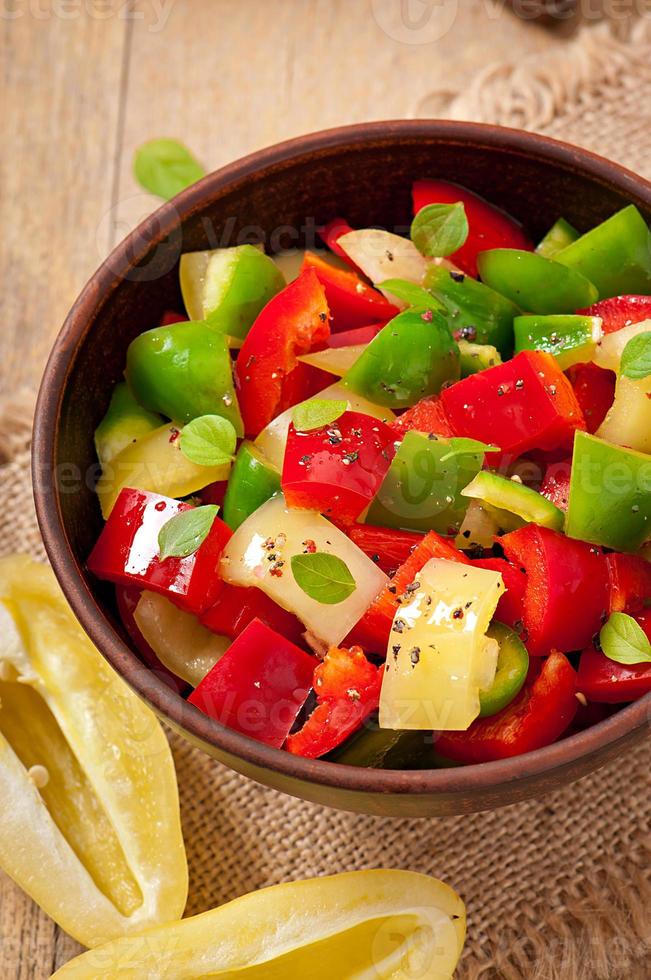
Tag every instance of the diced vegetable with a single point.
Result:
(336, 360)
(181, 643)
(127, 599)
(511, 673)
(228, 287)
(387, 547)
(620, 311)
(127, 552)
(559, 236)
(353, 338)
(630, 583)
(526, 403)
(252, 481)
(382, 748)
(351, 301)
(566, 594)
(608, 682)
(509, 608)
(571, 339)
(490, 227)
(382, 255)
(534, 283)
(330, 235)
(337, 469)
(611, 347)
(269, 377)
(541, 713)
(89, 822)
(556, 483)
(422, 489)
(301, 929)
(595, 392)
(498, 493)
(236, 607)
(183, 371)
(476, 357)
(412, 356)
(615, 256)
(124, 422)
(347, 688)
(628, 421)
(427, 415)
(474, 311)
(610, 499)
(275, 530)
(438, 657)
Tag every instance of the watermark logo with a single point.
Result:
(152, 14)
(415, 21)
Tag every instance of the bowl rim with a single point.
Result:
(171, 706)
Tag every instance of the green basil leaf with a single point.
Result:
(636, 357)
(411, 293)
(165, 167)
(186, 531)
(439, 229)
(316, 413)
(323, 577)
(623, 640)
(209, 440)
(461, 447)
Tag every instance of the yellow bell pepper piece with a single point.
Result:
(155, 462)
(362, 925)
(89, 815)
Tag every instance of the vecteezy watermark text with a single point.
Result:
(154, 14)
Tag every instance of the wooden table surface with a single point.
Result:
(85, 81)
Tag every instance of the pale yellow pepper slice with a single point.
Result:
(362, 925)
(89, 809)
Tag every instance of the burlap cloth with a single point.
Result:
(558, 888)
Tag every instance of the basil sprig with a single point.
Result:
(165, 167)
(462, 446)
(440, 229)
(209, 440)
(184, 533)
(323, 577)
(623, 640)
(316, 413)
(636, 357)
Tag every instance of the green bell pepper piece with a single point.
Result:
(124, 422)
(422, 490)
(610, 494)
(474, 311)
(536, 284)
(253, 480)
(615, 256)
(512, 668)
(383, 748)
(229, 286)
(512, 503)
(559, 236)
(412, 356)
(184, 371)
(571, 339)
(477, 357)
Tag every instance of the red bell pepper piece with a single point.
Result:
(214, 493)
(556, 483)
(236, 607)
(630, 583)
(339, 468)
(509, 608)
(259, 686)
(566, 595)
(387, 547)
(541, 713)
(526, 403)
(594, 388)
(490, 227)
(126, 552)
(331, 232)
(373, 630)
(127, 600)
(427, 415)
(360, 335)
(170, 317)
(351, 301)
(347, 688)
(269, 377)
(607, 682)
(620, 311)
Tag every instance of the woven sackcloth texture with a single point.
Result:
(556, 888)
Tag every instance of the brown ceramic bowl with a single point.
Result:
(363, 172)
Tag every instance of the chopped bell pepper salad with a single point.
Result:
(394, 512)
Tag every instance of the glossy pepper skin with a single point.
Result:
(351, 301)
(237, 606)
(615, 256)
(252, 481)
(339, 468)
(594, 388)
(607, 682)
(566, 595)
(127, 598)
(412, 356)
(526, 403)
(358, 335)
(511, 674)
(620, 311)
(474, 311)
(541, 713)
(373, 630)
(556, 483)
(490, 227)
(125, 420)
(387, 547)
(427, 415)
(259, 685)
(509, 608)
(269, 377)
(183, 371)
(534, 283)
(630, 583)
(330, 234)
(347, 688)
(127, 552)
